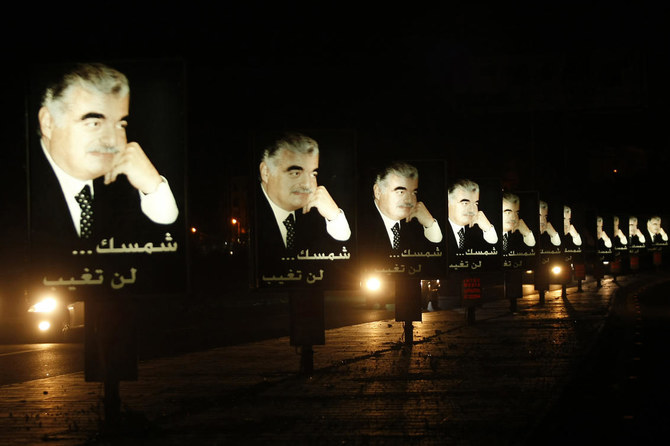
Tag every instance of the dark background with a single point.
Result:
(564, 97)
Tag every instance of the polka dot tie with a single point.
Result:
(461, 238)
(85, 203)
(505, 241)
(396, 235)
(290, 231)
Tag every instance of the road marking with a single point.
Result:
(20, 352)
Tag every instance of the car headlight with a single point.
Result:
(373, 284)
(46, 305)
(556, 270)
(44, 325)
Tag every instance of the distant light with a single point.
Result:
(615, 171)
(556, 270)
(233, 221)
(44, 325)
(529, 271)
(193, 230)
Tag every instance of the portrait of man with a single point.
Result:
(106, 178)
(88, 180)
(470, 229)
(604, 241)
(656, 234)
(516, 235)
(294, 213)
(620, 241)
(571, 238)
(635, 234)
(397, 220)
(549, 237)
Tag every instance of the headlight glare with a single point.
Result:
(46, 305)
(373, 284)
(44, 325)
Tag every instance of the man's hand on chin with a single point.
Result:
(323, 202)
(134, 163)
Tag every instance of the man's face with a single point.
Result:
(632, 225)
(655, 225)
(599, 226)
(510, 217)
(91, 130)
(463, 206)
(567, 215)
(543, 219)
(292, 180)
(398, 197)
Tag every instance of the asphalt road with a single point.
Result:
(24, 362)
(175, 329)
(622, 394)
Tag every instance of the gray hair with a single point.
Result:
(543, 205)
(94, 77)
(512, 198)
(400, 168)
(293, 142)
(467, 185)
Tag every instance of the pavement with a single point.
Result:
(484, 383)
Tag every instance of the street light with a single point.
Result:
(235, 221)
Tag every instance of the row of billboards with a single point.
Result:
(446, 226)
(120, 134)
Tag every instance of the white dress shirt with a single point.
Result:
(159, 206)
(338, 228)
(433, 233)
(491, 236)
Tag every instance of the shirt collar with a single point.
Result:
(71, 186)
(455, 227)
(388, 223)
(279, 213)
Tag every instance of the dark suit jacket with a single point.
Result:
(373, 242)
(474, 240)
(53, 238)
(516, 243)
(544, 242)
(568, 243)
(310, 234)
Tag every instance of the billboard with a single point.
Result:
(304, 208)
(106, 173)
(520, 229)
(474, 225)
(401, 219)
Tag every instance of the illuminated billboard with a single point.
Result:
(303, 208)
(473, 232)
(106, 151)
(520, 229)
(400, 227)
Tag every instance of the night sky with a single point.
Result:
(544, 97)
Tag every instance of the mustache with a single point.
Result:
(406, 205)
(103, 149)
(303, 190)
